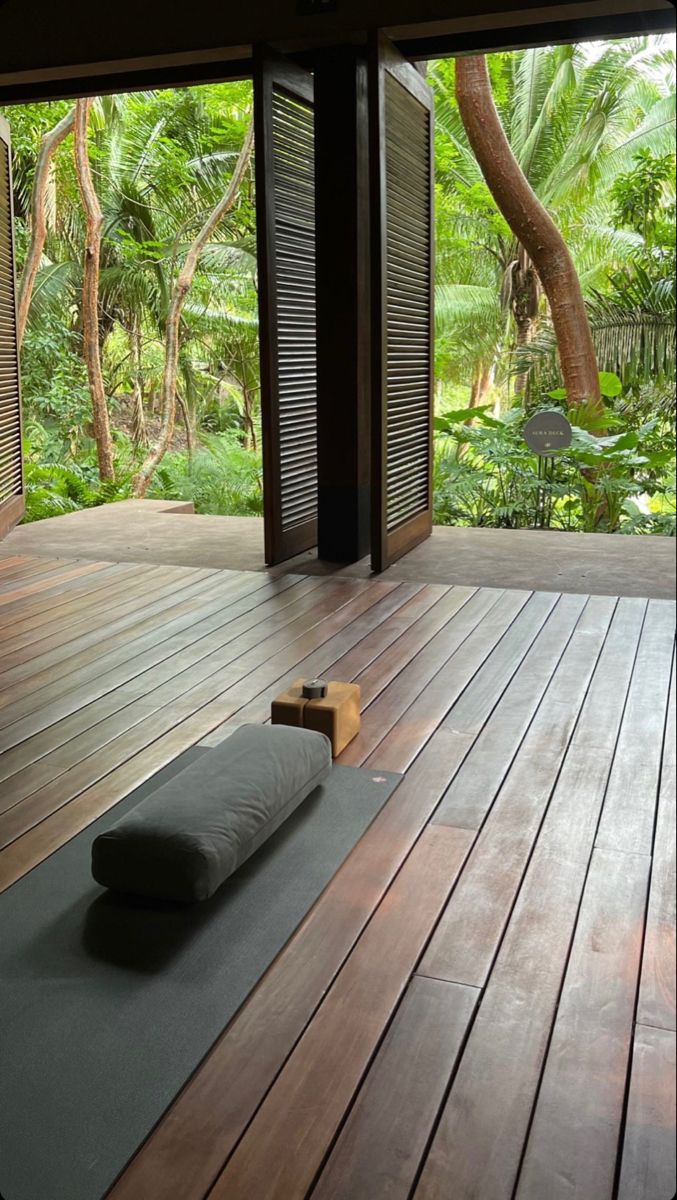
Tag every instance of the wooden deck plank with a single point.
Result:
(375, 678)
(378, 1152)
(52, 585)
(476, 695)
(8, 562)
(384, 708)
(280, 1154)
(376, 628)
(479, 1140)
(38, 710)
(657, 991)
(481, 1135)
(465, 942)
(125, 606)
(648, 1168)
(501, 643)
(351, 663)
(141, 645)
(41, 758)
(573, 1143)
(43, 616)
(210, 1114)
(33, 570)
(630, 806)
(155, 712)
(472, 790)
(74, 708)
(456, 652)
(238, 617)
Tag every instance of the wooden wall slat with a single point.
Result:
(402, 299)
(285, 170)
(11, 463)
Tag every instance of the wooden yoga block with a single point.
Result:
(337, 715)
(288, 708)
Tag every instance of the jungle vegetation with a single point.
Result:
(138, 313)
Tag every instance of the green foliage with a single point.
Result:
(54, 488)
(485, 474)
(222, 478)
(54, 383)
(639, 196)
(593, 129)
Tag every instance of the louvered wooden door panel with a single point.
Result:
(285, 204)
(11, 470)
(403, 332)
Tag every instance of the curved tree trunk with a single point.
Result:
(533, 227)
(50, 141)
(90, 292)
(180, 292)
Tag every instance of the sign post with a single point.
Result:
(547, 434)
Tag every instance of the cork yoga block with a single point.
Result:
(337, 715)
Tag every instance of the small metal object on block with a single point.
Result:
(315, 689)
(335, 713)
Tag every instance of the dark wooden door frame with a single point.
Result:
(273, 72)
(389, 545)
(12, 508)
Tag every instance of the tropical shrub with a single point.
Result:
(221, 478)
(485, 474)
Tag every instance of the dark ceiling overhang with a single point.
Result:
(56, 50)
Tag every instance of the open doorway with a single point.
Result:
(162, 168)
(592, 129)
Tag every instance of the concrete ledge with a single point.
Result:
(169, 532)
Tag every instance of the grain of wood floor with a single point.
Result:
(482, 1002)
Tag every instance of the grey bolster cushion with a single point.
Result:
(184, 840)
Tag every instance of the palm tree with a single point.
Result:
(575, 116)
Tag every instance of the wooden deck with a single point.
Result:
(482, 1002)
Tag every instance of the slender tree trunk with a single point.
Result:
(249, 426)
(525, 296)
(180, 292)
(90, 292)
(524, 336)
(139, 429)
(476, 390)
(533, 227)
(190, 436)
(48, 146)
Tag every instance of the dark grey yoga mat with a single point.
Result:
(107, 1006)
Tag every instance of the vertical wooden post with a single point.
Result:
(343, 304)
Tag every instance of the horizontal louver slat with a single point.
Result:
(408, 303)
(11, 476)
(294, 209)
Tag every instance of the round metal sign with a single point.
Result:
(548, 432)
